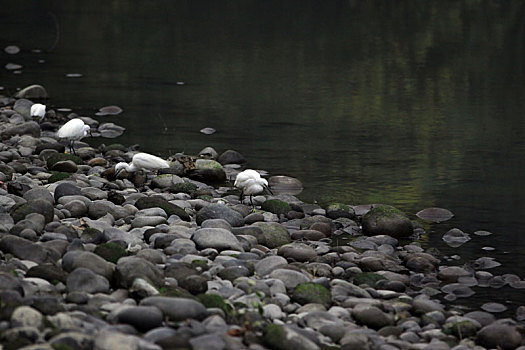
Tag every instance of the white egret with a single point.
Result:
(73, 130)
(142, 161)
(250, 182)
(38, 110)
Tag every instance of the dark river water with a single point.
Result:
(415, 104)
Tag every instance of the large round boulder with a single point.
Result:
(220, 211)
(387, 220)
(272, 234)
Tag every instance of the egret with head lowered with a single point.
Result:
(250, 182)
(38, 110)
(142, 161)
(73, 130)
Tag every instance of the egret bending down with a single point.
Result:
(38, 110)
(73, 130)
(250, 182)
(142, 161)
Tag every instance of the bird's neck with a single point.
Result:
(131, 167)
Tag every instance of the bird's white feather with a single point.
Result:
(149, 162)
(250, 182)
(38, 110)
(75, 129)
(143, 161)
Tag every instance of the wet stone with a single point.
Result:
(176, 309)
(220, 211)
(131, 267)
(499, 336)
(265, 266)
(217, 238)
(25, 316)
(85, 280)
(297, 252)
(143, 318)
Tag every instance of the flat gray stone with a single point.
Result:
(25, 249)
(297, 251)
(217, 238)
(26, 316)
(177, 309)
(291, 278)
(265, 266)
(220, 211)
(131, 267)
(143, 318)
(78, 258)
(85, 280)
(371, 316)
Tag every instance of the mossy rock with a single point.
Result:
(461, 329)
(183, 187)
(274, 336)
(115, 147)
(175, 292)
(216, 301)
(208, 171)
(159, 202)
(110, 252)
(92, 235)
(306, 293)
(338, 210)
(368, 278)
(279, 337)
(276, 206)
(7, 170)
(387, 220)
(272, 234)
(58, 176)
(207, 164)
(59, 157)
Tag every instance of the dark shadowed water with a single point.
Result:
(415, 104)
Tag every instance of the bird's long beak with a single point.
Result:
(269, 190)
(89, 132)
(118, 172)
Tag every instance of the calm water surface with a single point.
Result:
(414, 104)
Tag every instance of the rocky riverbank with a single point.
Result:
(177, 261)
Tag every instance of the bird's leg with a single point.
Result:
(241, 196)
(72, 147)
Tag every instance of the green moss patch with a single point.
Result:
(306, 293)
(276, 206)
(58, 176)
(368, 278)
(110, 252)
(183, 187)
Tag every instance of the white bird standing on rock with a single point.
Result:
(142, 161)
(73, 130)
(38, 110)
(250, 182)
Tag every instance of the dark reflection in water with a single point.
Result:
(414, 104)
